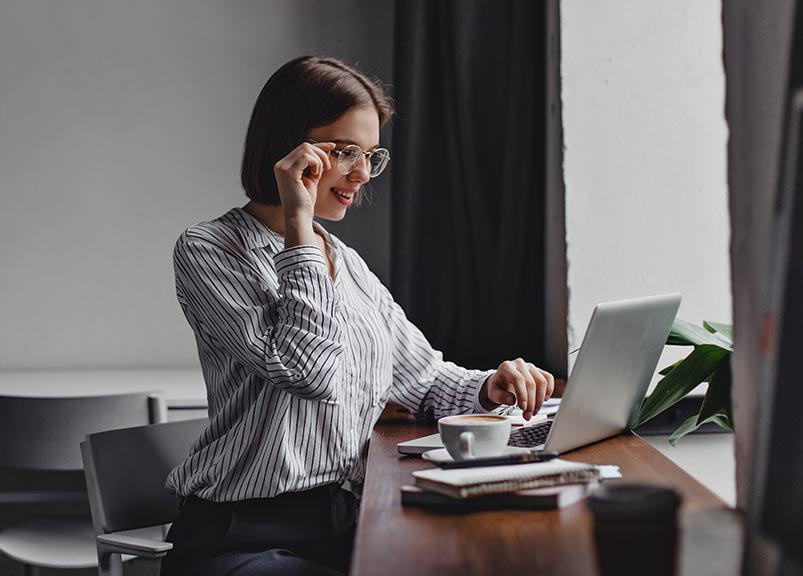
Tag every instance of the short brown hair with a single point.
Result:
(305, 93)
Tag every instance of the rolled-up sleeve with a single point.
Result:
(293, 341)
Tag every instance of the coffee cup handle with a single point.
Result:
(465, 445)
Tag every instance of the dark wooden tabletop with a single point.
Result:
(396, 540)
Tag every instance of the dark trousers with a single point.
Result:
(301, 533)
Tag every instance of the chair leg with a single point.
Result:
(109, 563)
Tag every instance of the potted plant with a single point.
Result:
(709, 362)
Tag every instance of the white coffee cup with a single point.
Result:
(470, 436)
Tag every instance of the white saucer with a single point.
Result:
(441, 455)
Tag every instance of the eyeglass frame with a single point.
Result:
(365, 154)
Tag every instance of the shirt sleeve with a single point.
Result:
(423, 382)
(294, 342)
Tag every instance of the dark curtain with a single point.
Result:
(469, 176)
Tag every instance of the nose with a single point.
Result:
(361, 172)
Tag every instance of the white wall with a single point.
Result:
(645, 136)
(122, 123)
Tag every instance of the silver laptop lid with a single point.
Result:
(616, 362)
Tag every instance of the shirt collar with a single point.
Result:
(328, 238)
(253, 232)
(256, 235)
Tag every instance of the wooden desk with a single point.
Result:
(392, 540)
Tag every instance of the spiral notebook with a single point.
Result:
(527, 499)
(472, 482)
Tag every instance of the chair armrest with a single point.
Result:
(143, 547)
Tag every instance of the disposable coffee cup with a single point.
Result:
(470, 436)
(635, 529)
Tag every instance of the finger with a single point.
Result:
(297, 163)
(550, 384)
(328, 146)
(532, 390)
(529, 382)
(513, 381)
(497, 391)
(322, 149)
(541, 383)
(314, 163)
(541, 388)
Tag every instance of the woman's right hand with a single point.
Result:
(297, 177)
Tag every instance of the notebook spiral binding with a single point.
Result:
(580, 476)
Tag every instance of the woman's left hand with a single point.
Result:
(520, 383)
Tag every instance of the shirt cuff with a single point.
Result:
(299, 257)
(502, 409)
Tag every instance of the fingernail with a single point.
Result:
(528, 415)
(510, 399)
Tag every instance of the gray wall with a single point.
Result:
(121, 123)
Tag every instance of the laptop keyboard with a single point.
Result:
(530, 436)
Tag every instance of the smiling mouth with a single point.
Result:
(345, 198)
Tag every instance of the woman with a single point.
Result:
(300, 344)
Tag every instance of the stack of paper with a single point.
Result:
(471, 482)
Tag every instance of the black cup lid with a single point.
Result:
(633, 500)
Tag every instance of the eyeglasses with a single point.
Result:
(348, 157)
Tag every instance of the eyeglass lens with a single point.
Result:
(351, 154)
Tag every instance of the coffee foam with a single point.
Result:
(473, 419)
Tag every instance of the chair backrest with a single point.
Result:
(126, 472)
(44, 433)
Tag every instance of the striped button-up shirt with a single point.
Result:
(298, 367)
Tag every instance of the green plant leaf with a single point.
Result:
(694, 369)
(685, 333)
(721, 420)
(718, 397)
(725, 330)
(669, 368)
(690, 425)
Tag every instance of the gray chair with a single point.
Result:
(125, 476)
(46, 516)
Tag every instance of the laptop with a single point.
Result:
(603, 397)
